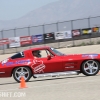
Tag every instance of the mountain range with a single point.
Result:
(61, 10)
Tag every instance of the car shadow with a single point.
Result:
(57, 78)
(39, 80)
(8, 83)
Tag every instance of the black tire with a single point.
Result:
(18, 73)
(90, 67)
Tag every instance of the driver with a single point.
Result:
(36, 53)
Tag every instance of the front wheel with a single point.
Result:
(22, 72)
(90, 67)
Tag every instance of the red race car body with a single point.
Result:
(47, 61)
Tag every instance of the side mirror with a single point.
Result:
(48, 57)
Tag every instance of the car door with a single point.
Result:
(69, 63)
(45, 65)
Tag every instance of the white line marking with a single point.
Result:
(51, 85)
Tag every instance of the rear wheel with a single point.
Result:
(22, 72)
(90, 67)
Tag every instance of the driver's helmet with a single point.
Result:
(37, 53)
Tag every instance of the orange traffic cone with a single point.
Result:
(22, 83)
(99, 72)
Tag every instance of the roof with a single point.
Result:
(38, 48)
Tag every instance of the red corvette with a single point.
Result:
(46, 62)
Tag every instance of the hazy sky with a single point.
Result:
(13, 9)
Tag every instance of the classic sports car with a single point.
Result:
(46, 62)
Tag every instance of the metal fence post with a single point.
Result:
(58, 31)
(29, 34)
(2, 38)
(29, 30)
(72, 29)
(89, 27)
(43, 32)
(15, 36)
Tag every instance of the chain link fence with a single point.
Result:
(54, 27)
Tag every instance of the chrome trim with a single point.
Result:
(56, 74)
(2, 72)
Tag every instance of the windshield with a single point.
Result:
(57, 52)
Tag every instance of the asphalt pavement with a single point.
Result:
(73, 87)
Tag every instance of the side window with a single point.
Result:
(41, 53)
(18, 55)
(45, 53)
(48, 53)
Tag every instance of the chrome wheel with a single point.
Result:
(22, 71)
(90, 67)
